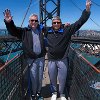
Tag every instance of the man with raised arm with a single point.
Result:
(33, 47)
(58, 40)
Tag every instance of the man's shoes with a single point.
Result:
(54, 97)
(63, 98)
(33, 97)
(68, 98)
(39, 97)
(38, 94)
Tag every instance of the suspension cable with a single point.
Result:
(95, 3)
(26, 12)
(81, 10)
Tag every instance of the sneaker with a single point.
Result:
(54, 97)
(63, 98)
(33, 97)
(39, 97)
(68, 98)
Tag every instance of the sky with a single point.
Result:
(68, 12)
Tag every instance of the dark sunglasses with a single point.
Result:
(56, 22)
(34, 20)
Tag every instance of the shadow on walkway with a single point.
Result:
(46, 91)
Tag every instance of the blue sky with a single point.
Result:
(68, 12)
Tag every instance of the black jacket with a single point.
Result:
(58, 41)
(25, 34)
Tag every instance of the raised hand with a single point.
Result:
(7, 15)
(88, 5)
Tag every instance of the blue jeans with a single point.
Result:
(58, 68)
(36, 74)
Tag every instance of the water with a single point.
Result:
(5, 57)
(3, 32)
(91, 58)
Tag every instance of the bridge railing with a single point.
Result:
(11, 77)
(83, 78)
(9, 44)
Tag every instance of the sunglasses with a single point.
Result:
(34, 20)
(56, 22)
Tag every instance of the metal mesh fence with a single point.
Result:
(84, 77)
(11, 79)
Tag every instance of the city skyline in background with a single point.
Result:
(69, 12)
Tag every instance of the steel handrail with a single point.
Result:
(2, 67)
(92, 66)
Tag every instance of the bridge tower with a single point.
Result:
(45, 7)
